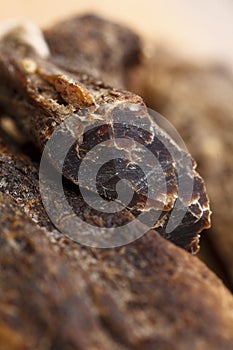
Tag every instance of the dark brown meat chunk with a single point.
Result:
(41, 96)
(95, 46)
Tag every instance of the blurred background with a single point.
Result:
(200, 29)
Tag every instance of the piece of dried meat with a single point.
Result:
(45, 98)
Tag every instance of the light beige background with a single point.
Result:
(198, 29)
